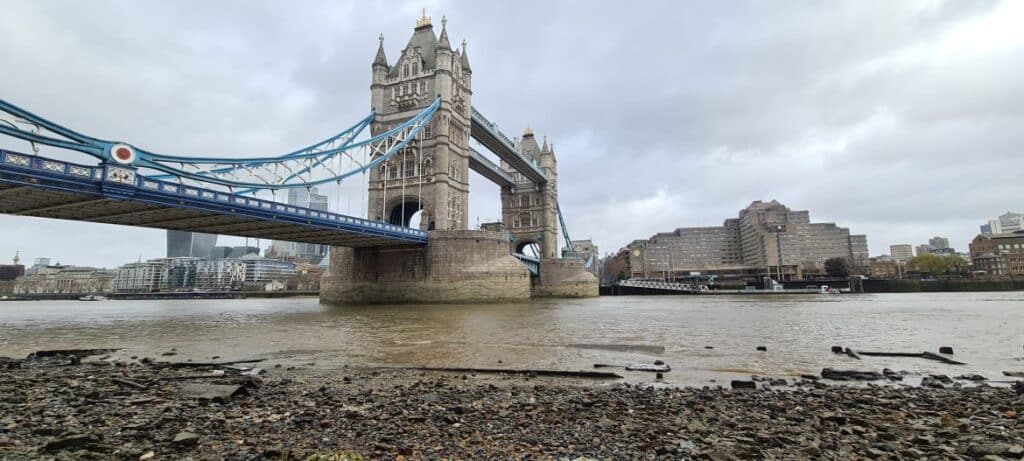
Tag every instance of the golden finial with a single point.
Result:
(528, 131)
(423, 21)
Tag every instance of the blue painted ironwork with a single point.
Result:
(532, 264)
(125, 183)
(251, 173)
(565, 230)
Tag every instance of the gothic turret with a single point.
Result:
(380, 60)
(443, 42)
(464, 59)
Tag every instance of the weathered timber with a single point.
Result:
(920, 355)
(125, 382)
(560, 373)
(203, 364)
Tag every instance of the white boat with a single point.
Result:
(92, 298)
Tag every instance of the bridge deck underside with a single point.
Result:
(30, 200)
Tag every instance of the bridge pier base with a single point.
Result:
(565, 278)
(462, 266)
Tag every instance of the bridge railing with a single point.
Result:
(126, 176)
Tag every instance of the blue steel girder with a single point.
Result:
(118, 194)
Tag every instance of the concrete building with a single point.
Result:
(939, 243)
(999, 254)
(233, 252)
(140, 277)
(38, 264)
(189, 244)
(65, 280)
(259, 269)
(766, 239)
(1006, 223)
(902, 252)
(298, 251)
(924, 249)
(220, 274)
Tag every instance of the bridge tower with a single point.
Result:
(528, 210)
(432, 174)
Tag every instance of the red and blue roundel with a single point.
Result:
(122, 153)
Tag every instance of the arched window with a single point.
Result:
(415, 68)
(405, 70)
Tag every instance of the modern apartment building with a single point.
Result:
(902, 252)
(766, 239)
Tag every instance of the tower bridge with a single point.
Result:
(415, 160)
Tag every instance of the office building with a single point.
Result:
(766, 239)
(1006, 223)
(902, 252)
(189, 244)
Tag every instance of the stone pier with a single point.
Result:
(462, 266)
(564, 278)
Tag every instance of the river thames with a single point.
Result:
(703, 338)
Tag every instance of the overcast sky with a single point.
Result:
(900, 120)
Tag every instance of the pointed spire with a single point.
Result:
(380, 60)
(544, 147)
(464, 60)
(444, 44)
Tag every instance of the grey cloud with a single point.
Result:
(663, 114)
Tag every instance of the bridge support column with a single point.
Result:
(565, 278)
(455, 267)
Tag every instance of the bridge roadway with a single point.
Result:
(36, 186)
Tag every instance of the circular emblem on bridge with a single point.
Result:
(123, 154)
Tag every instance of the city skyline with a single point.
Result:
(817, 119)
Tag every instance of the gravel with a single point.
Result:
(58, 408)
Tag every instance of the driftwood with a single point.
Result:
(920, 355)
(203, 364)
(128, 383)
(560, 373)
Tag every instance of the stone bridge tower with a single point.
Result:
(527, 209)
(432, 173)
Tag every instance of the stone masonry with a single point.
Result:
(456, 267)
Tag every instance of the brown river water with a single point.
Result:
(986, 331)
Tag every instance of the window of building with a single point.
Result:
(422, 86)
(415, 68)
(405, 70)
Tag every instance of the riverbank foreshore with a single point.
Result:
(64, 407)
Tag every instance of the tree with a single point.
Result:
(929, 263)
(837, 267)
(955, 264)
